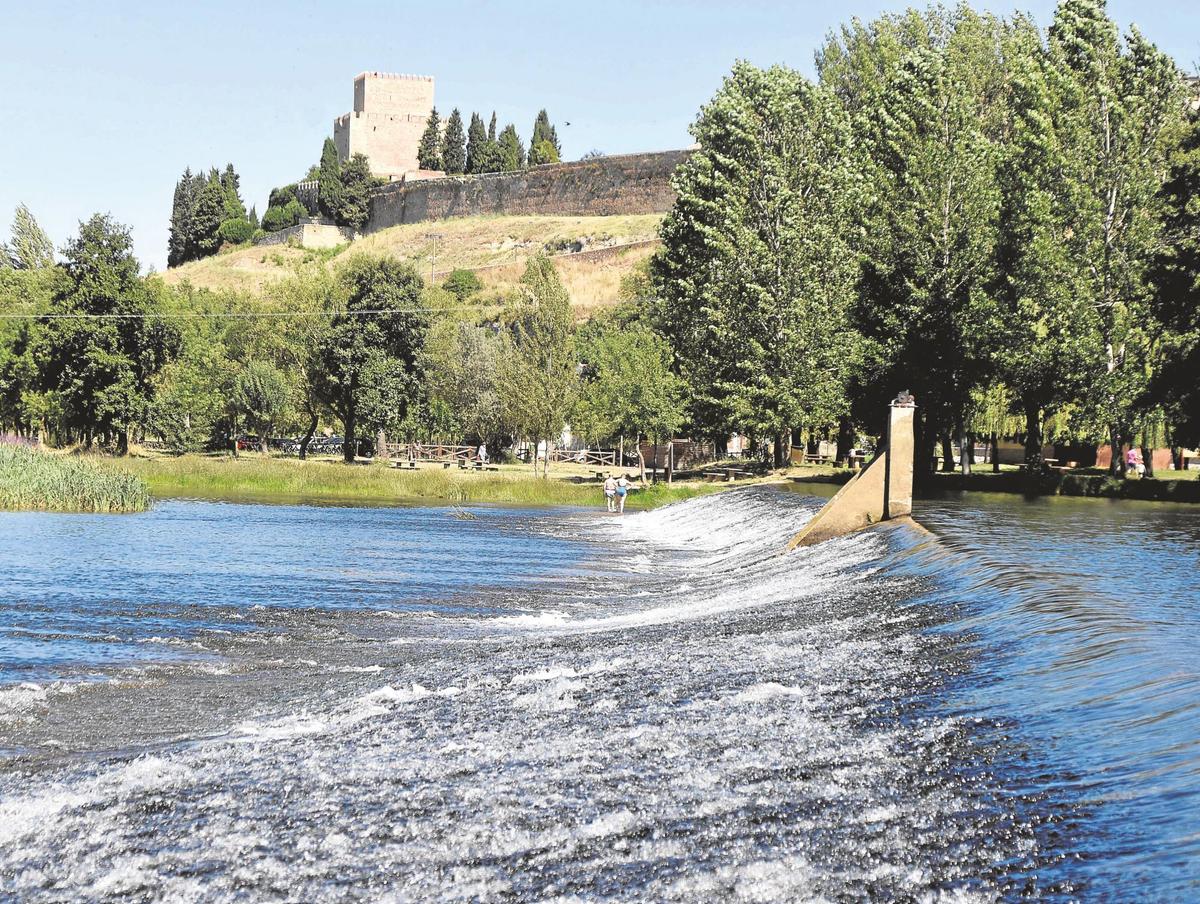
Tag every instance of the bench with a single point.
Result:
(728, 474)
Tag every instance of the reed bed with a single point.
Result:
(32, 480)
(290, 480)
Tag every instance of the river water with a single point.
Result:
(215, 702)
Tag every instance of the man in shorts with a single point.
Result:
(610, 493)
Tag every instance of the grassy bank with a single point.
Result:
(41, 481)
(288, 480)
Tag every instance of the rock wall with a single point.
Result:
(601, 186)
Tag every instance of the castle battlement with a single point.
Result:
(422, 78)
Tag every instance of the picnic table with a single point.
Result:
(729, 474)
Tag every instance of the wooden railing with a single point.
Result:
(429, 452)
(585, 456)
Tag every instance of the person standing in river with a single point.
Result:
(610, 493)
(622, 492)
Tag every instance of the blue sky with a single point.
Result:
(104, 104)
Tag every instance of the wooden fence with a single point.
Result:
(429, 452)
(585, 456)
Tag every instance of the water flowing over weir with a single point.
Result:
(670, 711)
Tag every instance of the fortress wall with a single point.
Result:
(603, 186)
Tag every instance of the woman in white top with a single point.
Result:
(622, 491)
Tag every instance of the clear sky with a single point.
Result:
(104, 104)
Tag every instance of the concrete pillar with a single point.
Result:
(881, 491)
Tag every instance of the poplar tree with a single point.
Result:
(476, 139)
(429, 152)
(511, 149)
(538, 381)
(329, 182)
(756, 275)
(454, 154)
(1115, 106)
(30, 248)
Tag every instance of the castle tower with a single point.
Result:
(389, 115)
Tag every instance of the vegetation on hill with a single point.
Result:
(207, 214)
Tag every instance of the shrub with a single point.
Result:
(30, 479)
(236, 231)
(462, 284)
(280, 197)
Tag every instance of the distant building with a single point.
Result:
(390, 114)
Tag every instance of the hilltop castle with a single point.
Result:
(390, 113)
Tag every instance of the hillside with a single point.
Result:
(592, 254)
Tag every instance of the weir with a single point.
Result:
(880, 492)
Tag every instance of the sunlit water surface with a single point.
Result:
(236, 702)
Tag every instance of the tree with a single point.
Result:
(261, 395)
(235, 231)
(454, 154)
(103, 370)
(30, 247)
(183, 209)
(1050, 337)
(491, 132)
(429, 152)
(542, 152)
(463, 363)
(543, 131)
(1115, 106)
(371, 362)
(1176, 279)
(511, 148)
(462, 283)
(329, 182)
(630, 389)
(476, 139)
(355, 193)
(252, 218)
(538, 380)
(207, 220)
(756, 275)
(235, 209)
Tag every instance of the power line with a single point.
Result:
(246, 315)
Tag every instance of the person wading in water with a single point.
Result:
(610, 493)
(622, 492)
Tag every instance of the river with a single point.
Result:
(218, 702)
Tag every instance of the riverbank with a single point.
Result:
(34, 480)
(286, 480)
(1184, 488)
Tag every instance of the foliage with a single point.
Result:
(542, 152)
(30, 248)
(543, 133)
(462, 283)
(370, 358)
(537, 379)
(454, 152)
(429, 152)
(261, 395)
(476, 139)
(356, 185)
(511, 149)
(235, 232)
(329, 182)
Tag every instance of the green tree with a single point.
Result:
(542, 152)
(511, 148)
(261, 395)
(629, 389)
(454, 153)
(183, 209)
(371, 355)
(429, 152)
(491, 132)
(543, 131)
(756, 275)
(476, 139)
(355, 193)
(30, 247)
(462, 283)
(235, 209)
(329, 182)
(463, 363)
(538, 380)
(103, 370)
(1116, 105)
(207, 220)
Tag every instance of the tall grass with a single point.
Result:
(289, 480)
(33, 480)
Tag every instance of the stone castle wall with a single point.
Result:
(601, 186)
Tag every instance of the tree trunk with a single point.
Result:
(1148, 460)
(845, 440)
(671, 460)
(349, 427)
(123, 441)
(381, 449)
(964, 455)
(781, 447)
(995, 453)
(947, 453)
(1033, 438)
(1116, 467)
(641, 463)
(264, 443)
(233, 434)
(308, 436)
(655, 477)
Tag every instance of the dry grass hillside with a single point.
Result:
(589, 252)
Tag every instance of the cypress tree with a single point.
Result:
(252, 217)
(476, 136)
(235, 209)
(492, 127)
(511, 149)
(329, 182)
(183, 208)
(429, 153)
(543, 140)
(357, 183)
(210, 213)
(454, 154)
